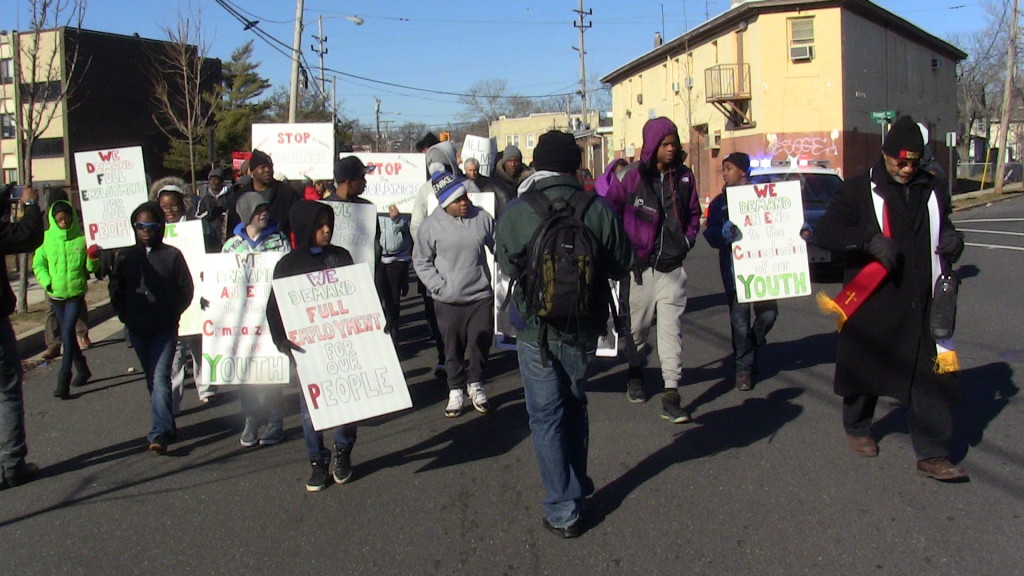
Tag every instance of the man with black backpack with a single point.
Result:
(560, 245)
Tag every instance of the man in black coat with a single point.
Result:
(894, 215)
(15, 238)
(277, 193)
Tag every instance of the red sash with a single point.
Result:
(859, 289)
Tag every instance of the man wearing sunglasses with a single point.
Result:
(894, 224)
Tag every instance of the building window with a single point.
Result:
(41, 91)
(48, 148)
(10, 175)
(6, 125)
(801, 39)
(7, 71)
(512, 140)
(529, 140)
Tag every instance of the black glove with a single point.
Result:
(884, 250)
(289, 345)
(951, 244)
(107, 258)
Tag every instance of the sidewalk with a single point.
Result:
(30, 328)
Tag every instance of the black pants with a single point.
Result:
(391, 279)
(467, 331)
(929, 419)
(431, 316)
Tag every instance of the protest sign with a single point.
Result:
(237, 348)
(187, 236)
(112, 183)
(770, 261)
(395, 178)
(355, 229)
(298, 150)
(349, 370)
(483, 149)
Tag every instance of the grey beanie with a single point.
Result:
(511, 152)
(247, 204)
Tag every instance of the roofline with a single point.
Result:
(740, 13)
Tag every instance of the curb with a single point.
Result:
(33, 341)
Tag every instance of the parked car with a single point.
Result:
(818, 186)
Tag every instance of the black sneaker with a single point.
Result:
(671, 408)
(744, 382)
(571, 531)
(635, 386)
(343, 464)
(21, 475)
(320, 477)
(158, 445)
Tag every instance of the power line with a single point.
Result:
(442, 92)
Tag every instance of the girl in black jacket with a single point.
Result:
(150, 286)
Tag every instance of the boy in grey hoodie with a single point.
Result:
(449, 259)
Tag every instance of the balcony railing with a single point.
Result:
(727, 82)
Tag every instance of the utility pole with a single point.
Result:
(319, 49)
(293, 101)
(376, 109)
(582, 26)
(1004, 116)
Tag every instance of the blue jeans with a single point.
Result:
(557, 405)
(67, 313)
(747, 338)
(12, 407)
(155, 352)
(344, 436)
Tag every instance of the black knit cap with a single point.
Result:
(259, 158)
(739, 160)
(557, 151)
(904, 140)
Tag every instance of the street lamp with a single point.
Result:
(293, 100)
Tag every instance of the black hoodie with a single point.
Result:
(150, 289)
(302, 259)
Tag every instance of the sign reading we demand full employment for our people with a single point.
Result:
(770, 260)
(112, 183)
(349, 370)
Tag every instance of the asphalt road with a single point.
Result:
(762, 483)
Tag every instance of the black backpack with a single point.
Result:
(560, 280)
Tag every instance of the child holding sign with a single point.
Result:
(257, 232)
(312, 227)
(150, 287)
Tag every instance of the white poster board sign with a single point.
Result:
(112, 184)
(298, 150)
(237, 348)
(349, 370)
(355, 228)
(395, 178)
(187, 236)
(770, 261)
(483, 149)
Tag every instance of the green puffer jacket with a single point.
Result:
(61, 264)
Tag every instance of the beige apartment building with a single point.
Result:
(523, 133)
(782, 79)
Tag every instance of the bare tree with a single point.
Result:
(488, 99)
(44, 62)
(186, 86)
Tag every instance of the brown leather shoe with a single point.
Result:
(940, 468)
(51, 353)
(863, 445)
(744, 382)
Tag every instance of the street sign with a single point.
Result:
(883, 116)
(951, 139)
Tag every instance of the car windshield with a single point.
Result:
(817, 190)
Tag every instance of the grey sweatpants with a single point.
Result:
(661, 295)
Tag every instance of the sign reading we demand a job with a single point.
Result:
(298, 150)
(349, 370)
(112, 183)
(770, 260)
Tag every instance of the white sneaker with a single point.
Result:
(479, 399)
(456, 399)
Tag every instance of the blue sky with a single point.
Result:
(447, 45)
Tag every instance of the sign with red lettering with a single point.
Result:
(395, 178)
(349, 370)
(770, 260)
(237, 348)
(111, 183)
(187, 236)
(298, 150)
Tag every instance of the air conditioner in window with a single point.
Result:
(798, 53)
(675, 87)
(714, 141)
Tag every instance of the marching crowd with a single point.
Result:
(560, 245)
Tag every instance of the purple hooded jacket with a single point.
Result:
(641, 222)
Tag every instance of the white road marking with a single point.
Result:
(990, 220)
(991, 232)
(994, 246)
